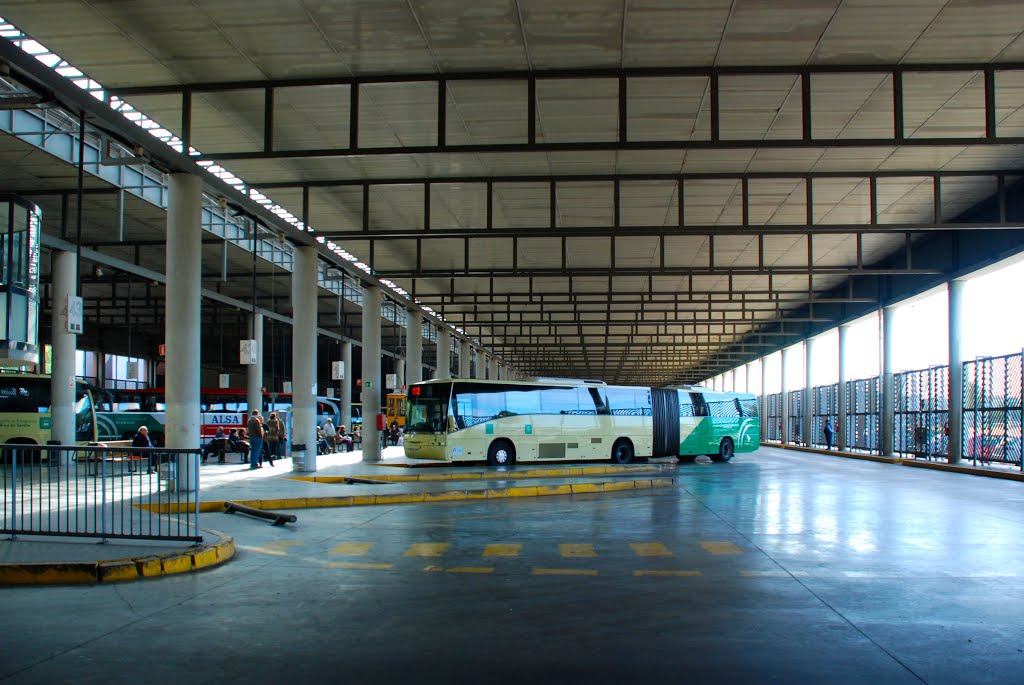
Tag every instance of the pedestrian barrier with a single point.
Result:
(101, 492)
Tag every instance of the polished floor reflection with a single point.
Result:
(777, 567)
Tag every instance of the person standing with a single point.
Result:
(255, 429)
(275, 433)
(828, 433)
(331, 434)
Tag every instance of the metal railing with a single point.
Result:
(992, 410)
(773, 425)
(921, 412)
(824, 407)
(796, 417)
(102, 492)
(863, 415)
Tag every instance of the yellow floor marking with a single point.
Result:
(427, 549)
(359, 565)
(650, 549)
(680, 574)
(564, 572)
(353, 549)
(774, 574)
(721, 548)
(502, 550)
(585, 550)
(278, 548)
(470, 569)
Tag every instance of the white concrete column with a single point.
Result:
(254, 372)
(304, 353)
(478, 364)
(399, 374)
(465, 350)
(184, 296)
(841, 433)
(371, 372)
(62, 381)
(346, 385)
(414, 348)
(784, 363)
(888, 386)
(956, 372)
(764, 401)
(808, 417)
(444, 354)
(746, 377)
(493, 369)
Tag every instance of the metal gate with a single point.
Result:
(921, 421)
(773, 426)
(992, 409)
(796, 416)
(863, 415)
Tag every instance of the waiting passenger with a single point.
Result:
(343, 438)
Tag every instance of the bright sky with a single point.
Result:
(990, 329)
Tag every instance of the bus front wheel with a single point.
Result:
(501, 453)
(622, 451)
(725, 451)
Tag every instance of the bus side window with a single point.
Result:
(600, 401)
(700, 407)
(686, 407)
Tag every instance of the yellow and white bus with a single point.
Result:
(563, 419)
(25, 417)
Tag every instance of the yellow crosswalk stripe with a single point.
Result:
(353, 549)
(650, 549)
(277, 548)
(359, 565)
(564, 572)
(460, 569)
(717, 548)
(427, 549)
(654, 572)
(577, 550)
(502, 550)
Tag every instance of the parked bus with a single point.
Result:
(394, 409)
(25, 417)
(509, 421)
(120, 413)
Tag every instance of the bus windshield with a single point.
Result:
(428, 408)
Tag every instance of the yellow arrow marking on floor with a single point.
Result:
(679, 574)
(502, 550)
(427, 549)
(278, 548)
(358, 565)
(564, 572)
(586, 550)
(353, 549)
(721, 548)
(650, 549)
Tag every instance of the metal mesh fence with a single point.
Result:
(992, 409)
(796, 416)
(921, 420)
(863, 414)
(825, 407)
(773, 428)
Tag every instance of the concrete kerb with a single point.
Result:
(916, 463)
(205, 555)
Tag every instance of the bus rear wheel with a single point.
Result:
(622, 451)
(501, 453)
(725, 451)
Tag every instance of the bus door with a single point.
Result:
(665, 407)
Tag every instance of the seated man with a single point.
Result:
(218, 445)
(238, 443)
(344, 439)
(321, 442)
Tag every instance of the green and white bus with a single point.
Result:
(563, 419)
(25, 417)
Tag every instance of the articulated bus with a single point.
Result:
(555, 419)
(121, 412)
(25, 417)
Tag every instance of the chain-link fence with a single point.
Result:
(992, 409)
(863, 415)
(921, 417)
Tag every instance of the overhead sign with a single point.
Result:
(391, 381)
(286, 387)
(224, 380)
(247, 351)
(337, 371)
(72, 314)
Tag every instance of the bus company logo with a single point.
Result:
(223, 419)
(45, 423)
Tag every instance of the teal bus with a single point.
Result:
(564, 419)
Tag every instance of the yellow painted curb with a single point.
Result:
(148, 567)
(523, 492)
(444, 496)
(114, 571)
(48, 574)
(204, 557)
(179, 563)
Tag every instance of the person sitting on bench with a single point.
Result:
(344, 439)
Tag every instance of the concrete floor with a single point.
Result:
(778, 567)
